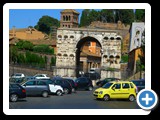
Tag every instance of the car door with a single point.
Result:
(125, 90)
(80, 83)
(41, 86)
(115, 90)
(83, 82)
(30, 87)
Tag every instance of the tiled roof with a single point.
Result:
(69, 11)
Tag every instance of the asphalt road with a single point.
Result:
(78, 100)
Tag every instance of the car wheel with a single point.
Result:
(66, 91)
(106, 97)
(131, 98)
(59, 92)
(45, 94)
(90, 88)
(13, 97)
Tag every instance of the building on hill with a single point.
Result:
(26, 33)
(136, 37)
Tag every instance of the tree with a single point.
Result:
(13, 54)
(93, 16)
(125, 15)
(53, 61)
(45, 23)
(84, 18)
(140, 15)
(24, 45)
(107, 15)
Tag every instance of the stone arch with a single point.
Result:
(79, 45)
(81, 41)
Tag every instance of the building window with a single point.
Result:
(69, 18)
(63, 18)
(66, 18)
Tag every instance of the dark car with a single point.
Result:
(17, 80)
(104, 81)
(67, 87)
(73, 84)
(140, 84)
(92, 76)
(36, 87)
(16, 91)
(84, 83)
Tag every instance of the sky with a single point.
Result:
(22, 18)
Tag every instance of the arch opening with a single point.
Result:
(88, 55)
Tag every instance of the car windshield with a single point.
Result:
(18, 74)
(107, 85)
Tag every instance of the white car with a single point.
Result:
(41, 76)
(18, 75)
(56, 89)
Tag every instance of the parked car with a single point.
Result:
(17, 80)
(67, 87)
(93, 76)
(29, 78)
(140, 84)
(18, 75)
(116, 90)
(41, 76)
(73, 84)
(55, 89)
(36, 87)
(104, 81)
(16, 92)
(84, 83)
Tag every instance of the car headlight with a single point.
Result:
(101, 92)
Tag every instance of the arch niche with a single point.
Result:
(79, 47)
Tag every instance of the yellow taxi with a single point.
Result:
(116, 90)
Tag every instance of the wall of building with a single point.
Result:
(136, 31)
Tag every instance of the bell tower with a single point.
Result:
(69, 18)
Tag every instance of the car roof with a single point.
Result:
(120, 81)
